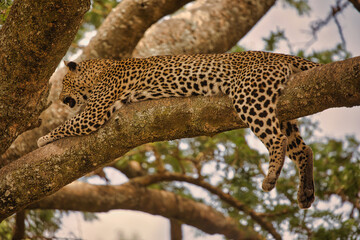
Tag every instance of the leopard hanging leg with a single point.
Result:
(302, 155)
(276, 143)
(254, 98)
(266, 127)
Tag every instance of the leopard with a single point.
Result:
(253, 80)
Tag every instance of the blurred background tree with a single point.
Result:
(226, 168)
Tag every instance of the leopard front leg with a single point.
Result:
(96, 113)
(76, 126)
(302, 155)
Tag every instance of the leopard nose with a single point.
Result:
(69, 101)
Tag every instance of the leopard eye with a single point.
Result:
(70, 101)
(72, 66)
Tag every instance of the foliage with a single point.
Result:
(93, 19)
(37, 223)
(5, 6)
(301, 6)
(327, 56)
(337, 53)
(230, 164)
(237, 48)
(6, 228)
(122, 236)
(227, 161)
(274, 38)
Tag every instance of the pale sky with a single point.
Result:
(334, 122)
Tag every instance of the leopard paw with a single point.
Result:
(269, 182)
(306, 196)
(43, 141)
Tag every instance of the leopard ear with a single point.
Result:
(71, 65)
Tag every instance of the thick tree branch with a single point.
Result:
(35, 36)
(48, 169)
(125, 25)
(155, 178)
(207, 26)
(93, 198)
(116, 38)
(128, 36)
(329, 86)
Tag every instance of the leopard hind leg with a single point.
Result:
(266, 126)
(276, 143)
(302, 155)
(254, 98)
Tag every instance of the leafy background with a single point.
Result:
(236, 161)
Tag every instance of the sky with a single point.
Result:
(337, 122)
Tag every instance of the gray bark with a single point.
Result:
(47, 169)
(31, 46)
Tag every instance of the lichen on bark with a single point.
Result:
(138, 123)
(31, 46)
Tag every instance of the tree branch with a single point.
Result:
(356, 4)
(128, 36)
(48, 169)
(317, 25)
(35, 36)
(207, 26)
(329, 86)
(81, 196)
(167, 176)
(19, 230)
(116, 38)
(125, 26)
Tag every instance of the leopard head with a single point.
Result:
(77, 83)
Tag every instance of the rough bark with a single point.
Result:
(26, 142)
(87, 197)
(46, 170)
(31, 46)
(329, 86)
(56, 113)
(116, 38)
(125, 26)
(208, 26)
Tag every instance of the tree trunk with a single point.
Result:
(19, 230)
(175, 230)
(128, 35)
(31, 46)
